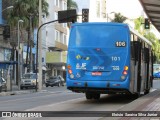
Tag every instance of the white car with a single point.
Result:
(3, 86)
(28, 80)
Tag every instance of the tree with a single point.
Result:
(139, 26)
(27, 10)
(118, 17)
(71, 4)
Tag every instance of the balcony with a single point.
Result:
(56, 57)
(60, 28)
(58, 47)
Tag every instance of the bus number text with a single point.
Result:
(115, 67)
(116, 58)
(120, 44)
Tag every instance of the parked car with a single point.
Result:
(156, 75)
(55, 81)
(28, 80)
(3, 86)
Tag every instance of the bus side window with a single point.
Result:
(146, 54)
(132, 50)
(137, 48)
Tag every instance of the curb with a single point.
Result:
(16, 93)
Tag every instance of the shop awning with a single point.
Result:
(5, 64)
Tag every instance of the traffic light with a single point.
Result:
(67, 16)
(85, 15)
(146, 23)
(6, 31)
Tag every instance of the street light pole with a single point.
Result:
(19, 72)
(39, 53)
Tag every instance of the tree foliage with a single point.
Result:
(23, 9)
(71, 4)
(118, 17)
(149, 35)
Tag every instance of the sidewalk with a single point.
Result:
(148, 105)
(16, 91)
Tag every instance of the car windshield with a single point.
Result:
(29, 76)
(53, 77)
(1, 80)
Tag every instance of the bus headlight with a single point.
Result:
(71, 76)
(123, 77)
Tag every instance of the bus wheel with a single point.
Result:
(89, 95)
(96, 96)
(146, 92)
(137, 95)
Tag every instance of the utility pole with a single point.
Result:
(19, 71)
(40, 49)
(31, 41)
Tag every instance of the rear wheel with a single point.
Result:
(96, 96)
(136, 95)
(146, 91)
(89, 95)
(1, 89)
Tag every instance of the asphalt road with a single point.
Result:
(60, 99)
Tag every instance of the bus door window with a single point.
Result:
(137, 48)
(132, 47)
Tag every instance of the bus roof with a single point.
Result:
(139, 35)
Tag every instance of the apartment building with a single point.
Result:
(6, 51)
(56, 40)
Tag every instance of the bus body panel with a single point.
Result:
(97, 54)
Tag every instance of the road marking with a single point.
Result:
(33, 97)
(42, 106)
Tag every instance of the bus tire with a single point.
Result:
(137, 95)
(146, 91)
(96, 96)
(88, 96)
(0, 88)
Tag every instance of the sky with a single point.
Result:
(130, 8)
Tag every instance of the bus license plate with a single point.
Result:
(96, 73)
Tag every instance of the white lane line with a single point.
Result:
(51, 105)
(31, 97)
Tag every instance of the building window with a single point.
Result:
(98, 9)
(64, 6)
(65, 39)
(57, 3)
(56, 16)
(57, 36)
(64, 25)
(61, 37)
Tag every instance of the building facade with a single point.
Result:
(97, 9)
(56, 40)
(7, 51)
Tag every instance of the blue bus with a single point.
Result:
(108, 58)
